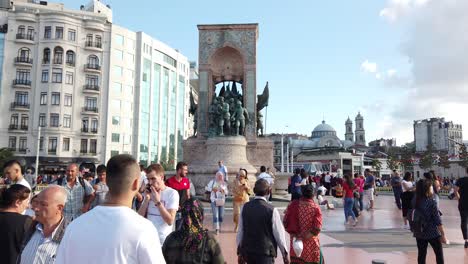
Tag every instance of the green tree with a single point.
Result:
(427, 159)
(376, 164)
(392, 162)
(444, 161)
(406, 158)
(5, 155)
(463, 156)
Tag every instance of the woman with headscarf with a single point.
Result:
(13, 224)
(219, 189)
(309, 224)
(240, 192)
(192, 243)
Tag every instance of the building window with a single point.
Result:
(24, 55)
(46, 56)
(21, 30)
(45, 76)
(119, 40)
(85, 125)
(54, 120)
(52, 145)
(56, 75)
(69, 77)
(67, 121)
(30, 34)
(118, 54)
(68, 100)
(66, 144)
(118, 71)
(92, 80)
(70, 58)
(91, 102)
(58, 55)
(59, 32)
(23, 144)
(48, 32)
(94, 125)
(115, 137)
(55, 99)
(14, 120)
(12, 143)
(114, 153)
(93, 62)
(93, 146)
(129, 89)
(21, 98)
(23, 76)
(84, 146)
(41, 144)
(98, 41)
(71, 35)
(117, 88)
(42, 120)
(24, 122)
(116, 120)
(115, 104)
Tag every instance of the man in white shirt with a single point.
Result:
(161, 202)
(113, 232)
(42, 242)
(264, 175)
(12, 170)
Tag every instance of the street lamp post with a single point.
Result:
(37, 150)
(282, 153)
(287, 157)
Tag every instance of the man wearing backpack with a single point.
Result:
(80, 193)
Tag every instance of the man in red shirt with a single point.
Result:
(181, 184)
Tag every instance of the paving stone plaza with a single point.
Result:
(378, 236)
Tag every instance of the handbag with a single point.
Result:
(219, 202)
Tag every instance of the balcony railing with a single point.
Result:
(22, 82)
(71, 63)
(15, 105)
(90, 109)
(24, 36)
(91, 87)
(45, 61)
(93, 130)
(52, 151)
(84, 129)
(83, 151)
(93, 66)
(87, 130)
(93, 44)
(24, 127)
(13, 126)
(24, 60)
(58, 61)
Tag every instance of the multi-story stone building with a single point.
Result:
(442, 135)
(93, 88)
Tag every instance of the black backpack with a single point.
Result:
(417, 222)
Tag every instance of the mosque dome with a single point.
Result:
(323, 129)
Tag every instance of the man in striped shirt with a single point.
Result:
(41, 243)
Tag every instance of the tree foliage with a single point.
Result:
(444, 161)
(463, 156)
(392, 162)
(376, 164)
(427, 159)
(5, 155)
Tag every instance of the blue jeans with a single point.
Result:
(361, 201)
(348, 208)
(218, 214)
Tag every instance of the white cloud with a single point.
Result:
(438, 82)
(396, 9)
(391, 72)
(368, 66)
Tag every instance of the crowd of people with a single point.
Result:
(132, 214)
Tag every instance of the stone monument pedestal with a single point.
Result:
(202, 156)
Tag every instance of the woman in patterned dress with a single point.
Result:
(240, 191)
(309, 225)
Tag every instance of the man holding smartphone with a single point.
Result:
(160, 203)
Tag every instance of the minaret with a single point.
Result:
(349, 135)
(360, 132)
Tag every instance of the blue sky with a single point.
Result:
(312, 54)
